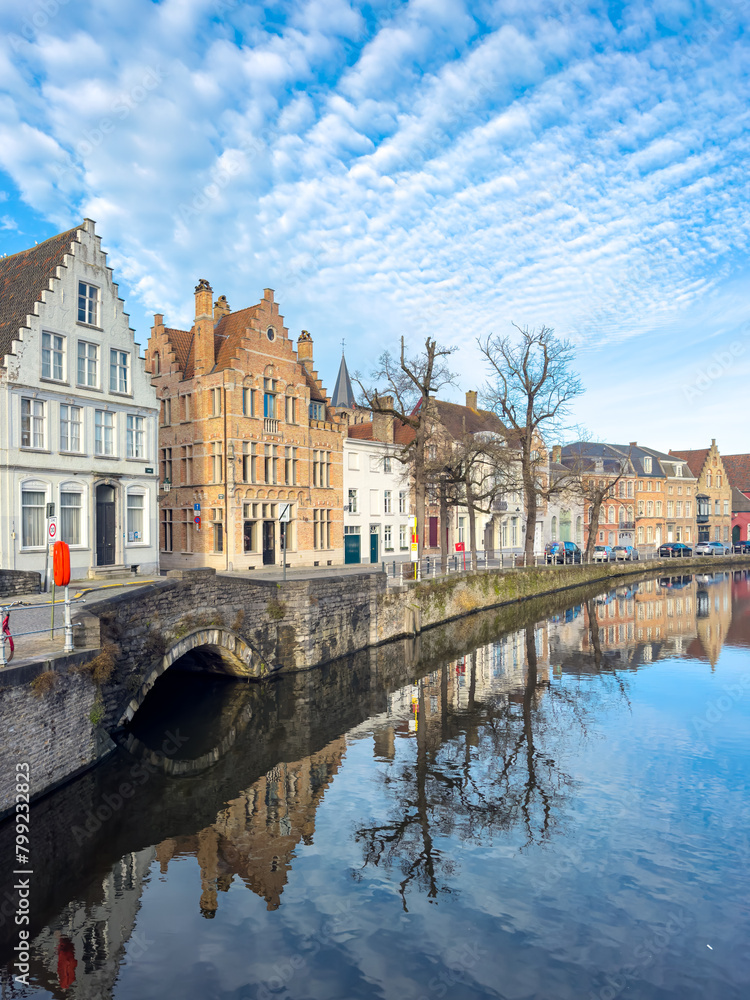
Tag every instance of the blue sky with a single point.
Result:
(426, 167)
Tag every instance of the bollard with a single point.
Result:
(394, 569)
(68, 647)
(3, 657)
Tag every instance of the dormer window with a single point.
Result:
(317, 411)
(647, 465)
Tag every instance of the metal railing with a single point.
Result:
(270, 425)
(5, 636)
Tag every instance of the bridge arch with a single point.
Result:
(231, 651)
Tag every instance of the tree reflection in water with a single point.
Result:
(476, 770)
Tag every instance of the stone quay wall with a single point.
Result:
(17, 581)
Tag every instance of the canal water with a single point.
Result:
(544, 802)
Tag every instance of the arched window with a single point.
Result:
(621, 488)
(708, 478)
(640, 508)
(611, 515)
(718, 479)
(622, 515)
(658, 508)
(650, 510)
(630, 487)
(630, 513)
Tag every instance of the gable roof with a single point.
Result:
(740, 502)
(695, 459)
(737, 468)
(23, 278)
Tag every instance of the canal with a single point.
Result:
(549, 801)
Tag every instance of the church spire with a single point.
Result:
(343, 394)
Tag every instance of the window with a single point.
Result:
(118, 371)
(726, 507)
(70, 428)
(217, 526)
(216, 462)
(718, 480)
(650, 508)
(640, 486)
(322, 528)
(611, 515)
(717, 508)
(647, 464)
(387, 502)
(387, 538)
(88, 304)
(136, 437)
(687, 534)
(717, 534)
(88, 359)
(269, 464)
(402, 506)
(688, 508)
(52, 356)
(187, 464)
(290, 409)
(621, 488)
(403, 536)
(658, 508)
(670, 508)
(649, 486)
(387, 463)
(155, 365)
(166, 412)
(290, 466)
(188, 527)
(641, 508)
(353, 461)
(322, 468)
(431, 452)
(104, 437)
(135, 517)
(630, 487)
(32, 423)
(166, 529)
(269, 398)
(166, 465)
(248, 402)
(33, 529)
(70, 517)
(462, 529)
(708, 478)
(215, 401)
(649, 534)
(248, 461)
(317, 411)
(353, 502)
(640, 536)
(186, 406)
(250, 531)
(726, 533)
(678, 508)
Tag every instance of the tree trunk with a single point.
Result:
(420, 486)
(443, 528)
(472, 523)
(531, 508)
(593, 528)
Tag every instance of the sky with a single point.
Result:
(424, 168)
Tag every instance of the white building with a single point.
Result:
(376, 499)
(78, 414)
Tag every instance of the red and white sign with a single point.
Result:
(460, 547)
(52, 529)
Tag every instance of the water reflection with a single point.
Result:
(474, 746)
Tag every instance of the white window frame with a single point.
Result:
(33, 486)
(119, 371)
(100, 440)
(87, 382)
(79, 491)
(142, 493)
(51, 348)
(136, 436)
(88, 304)
(66, 440)
(36, 424)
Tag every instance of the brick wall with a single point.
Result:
(16, 581)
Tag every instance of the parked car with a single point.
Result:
(672, 550)
(602, 553)
(711, 549)
(625, 552)
(562, 552)
(742, 548)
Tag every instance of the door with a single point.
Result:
(374, 538)
(736, 532)
(351, 549)
(269, 543)
(105, 525)
(433, 532)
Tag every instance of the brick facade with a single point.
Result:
(245, 427)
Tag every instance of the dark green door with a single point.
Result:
(351, 549)
(374, 547)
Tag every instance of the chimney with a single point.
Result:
(203, 339)
(305, 350)
(471, 399)
(633, 444)
(382, 423)
(268, 294)
(557, 453)
(221, 308)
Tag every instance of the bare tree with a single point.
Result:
(531, 388)
(406, 388)
(594, 479)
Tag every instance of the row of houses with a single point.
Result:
(220, 445)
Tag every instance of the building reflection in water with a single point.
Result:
(477, 728)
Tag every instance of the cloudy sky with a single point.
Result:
(426, 167)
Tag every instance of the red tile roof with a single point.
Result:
(738, 471)
(361, 431)
(23, 278)
(695, 459)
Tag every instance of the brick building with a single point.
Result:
(714, 496)
(245, 427)
(738, 470)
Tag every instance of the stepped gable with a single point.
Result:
(23, 278)
(737, 468)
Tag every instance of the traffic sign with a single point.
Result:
(52, 529)
(285, 512)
